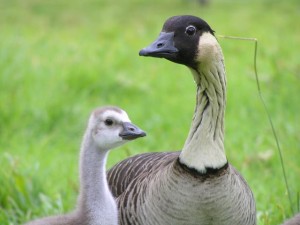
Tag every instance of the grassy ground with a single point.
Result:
(61, 59)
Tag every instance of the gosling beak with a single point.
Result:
(162, 47)
(131, 132)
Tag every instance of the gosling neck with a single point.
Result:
(204, 146)
(95, 199)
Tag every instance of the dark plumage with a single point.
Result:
(184, 37)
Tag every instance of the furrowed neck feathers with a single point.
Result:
(204, 147)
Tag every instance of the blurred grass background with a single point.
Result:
(59, 59)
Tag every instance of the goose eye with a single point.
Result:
(190, 30)
(108, 122)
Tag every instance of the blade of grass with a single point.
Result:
(267, 112)
(298, 202)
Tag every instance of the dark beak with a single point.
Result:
(131, 132)
(162, 47)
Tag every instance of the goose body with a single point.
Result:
(108, 128)
(293, 221)
(196, 185)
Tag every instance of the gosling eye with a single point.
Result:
(109, 122)
(190, 30)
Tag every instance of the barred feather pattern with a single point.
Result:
(157, 189)
(123, 173)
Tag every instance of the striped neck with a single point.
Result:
(204, 146)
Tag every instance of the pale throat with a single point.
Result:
(204, 146)
(93, 183)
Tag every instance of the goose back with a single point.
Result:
(123, 173)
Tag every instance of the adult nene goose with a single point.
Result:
(196, 185)
(108, 128)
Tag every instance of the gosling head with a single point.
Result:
(186, 40)
(111, 127)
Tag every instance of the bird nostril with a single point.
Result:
(159, 45)
(131, 129)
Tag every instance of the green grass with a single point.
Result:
(61, 59)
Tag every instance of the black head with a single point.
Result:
(178, 40)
